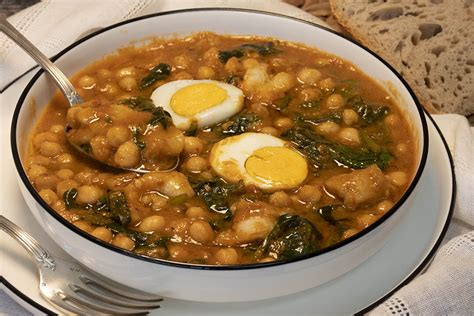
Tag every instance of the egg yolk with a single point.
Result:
(277, 166)
(196, 98)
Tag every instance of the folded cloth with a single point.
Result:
(54, 24)
(446, 287)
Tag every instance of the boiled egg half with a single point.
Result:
(259, 159)
(205, 102)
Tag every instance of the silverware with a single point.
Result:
(68, 285)
(63, 83)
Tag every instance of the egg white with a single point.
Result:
(228, 157)
(232, 105)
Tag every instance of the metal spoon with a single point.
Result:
(63, 84)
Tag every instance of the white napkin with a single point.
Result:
(446, 287)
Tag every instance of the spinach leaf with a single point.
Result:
(69, 198)
(216, 193)
(87, 148)
(368, 114)
(326, 213)
(291, 237)
(119, 208)
(282, 103)
(136, 133)
(313, 146)
(224, 56)
(232, 79)
(139, 103)
(240, 124)
(369, 142)
(160, 116)
(143, 104)
(263, 49)
(192, 130)
(178, 200)
(159, 72)
(359, 159)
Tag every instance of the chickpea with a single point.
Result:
(48, 195)
(123, 241)
(309, 94)
(157, 202)
(111, 89)
(88, 194)
(269, 130)
(154, 223)
(335, 101)
(282, 82)
(349, 232)
(117, 135)
(309, 75)
(65, 159)
(127, 155)
(102, 233)
(249, 63)
(183, 75)
(327, 84)
(45, 136)
(327, 128)
(267, 259)
(85, 176)
(196, 212)
(126, 72)
(87, 82)
(182, 61)
(84, 225)
(309, 193)
(59, 206)
(57, 129)
(104, 73)
(349, 117)
(36, 170)
(280, 198)
(128, 83)
(283, 123)
(64, 174)
(101, 148)
(196, 164)
(205, 72)
(398, 178)
(392, 120)
(178, 252)
(233, 65)
(349, 136)
(365, 220)
(322, 62)
(227, 256)
(201, 231)
(384, 206)
(86, 116)
(46, 181)
(65, 185)
(192, 145)
(401, 149)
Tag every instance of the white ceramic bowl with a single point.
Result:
(213, 283)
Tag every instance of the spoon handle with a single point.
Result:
(61, 80)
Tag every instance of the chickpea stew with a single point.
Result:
(257, 150)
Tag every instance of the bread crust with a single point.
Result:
(421, 91)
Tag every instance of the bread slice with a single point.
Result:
(430, 42)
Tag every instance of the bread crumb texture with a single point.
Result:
(430, 42)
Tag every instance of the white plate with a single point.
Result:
(408, 249)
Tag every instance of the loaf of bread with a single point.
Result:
(430, 42)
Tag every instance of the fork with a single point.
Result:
(68, 285)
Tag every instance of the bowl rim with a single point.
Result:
(175, 264)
